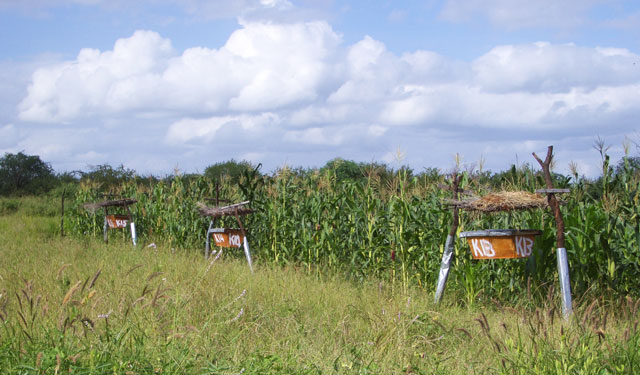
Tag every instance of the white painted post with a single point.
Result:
(134, 238)
(105, 229)
(247, 253)
(565, 286)
(444, 268)
(447, 254)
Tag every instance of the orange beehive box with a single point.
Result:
(500, 243)
(117, 221)
(227, 237)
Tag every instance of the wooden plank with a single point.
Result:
(233, 205)
(231, 210)
(553, 191)
(501, 233)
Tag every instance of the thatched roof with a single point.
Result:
(115, 203)
(231, 210)
(502, 201)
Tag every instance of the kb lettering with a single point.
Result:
(234, 240)
(482, 248)
(218, 238)
(524, 246)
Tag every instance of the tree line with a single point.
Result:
(22, 174)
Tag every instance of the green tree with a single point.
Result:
(25, 174)
(629, 165)
(231, 169)
(344, 169)
(108, 176)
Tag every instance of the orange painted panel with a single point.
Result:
(117, 221)
(228, 238)
(502, 247)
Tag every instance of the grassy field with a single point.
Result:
(75, 305)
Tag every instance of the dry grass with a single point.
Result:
(234, 209)
(503, 201)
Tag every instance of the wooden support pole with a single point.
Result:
(563, 264)
(447, 254)
(551, 197)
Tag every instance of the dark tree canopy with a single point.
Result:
(353, 171)
(628, 164)
(231, 169)
(344, 169)
(107, 175)
(24, 174)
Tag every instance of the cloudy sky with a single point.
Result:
(163, 84)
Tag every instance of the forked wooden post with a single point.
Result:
(563, 263)
(447, 254)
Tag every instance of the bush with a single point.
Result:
(22, 174)
(9, 206)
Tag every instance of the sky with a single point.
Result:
(165, 85)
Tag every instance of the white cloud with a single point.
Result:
(261, 66)
(290, 60)
(315, 136)
(546, 68)
(92, 157)
(98, 82)
(346, 134)
(205, 130)
(297, 88)
(303, 73)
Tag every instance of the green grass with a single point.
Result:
(76, 305)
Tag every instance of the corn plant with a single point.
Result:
(395, 228)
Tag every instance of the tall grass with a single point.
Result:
(79, 306)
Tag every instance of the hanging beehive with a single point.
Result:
(226, 237)
(115, 221)
(501, 243)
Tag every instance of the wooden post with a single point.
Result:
(447, 255)
(551, 197)
(563, 264)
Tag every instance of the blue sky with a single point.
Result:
(166, 84)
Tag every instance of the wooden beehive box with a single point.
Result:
(500, 243)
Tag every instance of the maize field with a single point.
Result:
(395, 229)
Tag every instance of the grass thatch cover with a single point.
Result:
(115, 203)
(503, 201)
(232, 210)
